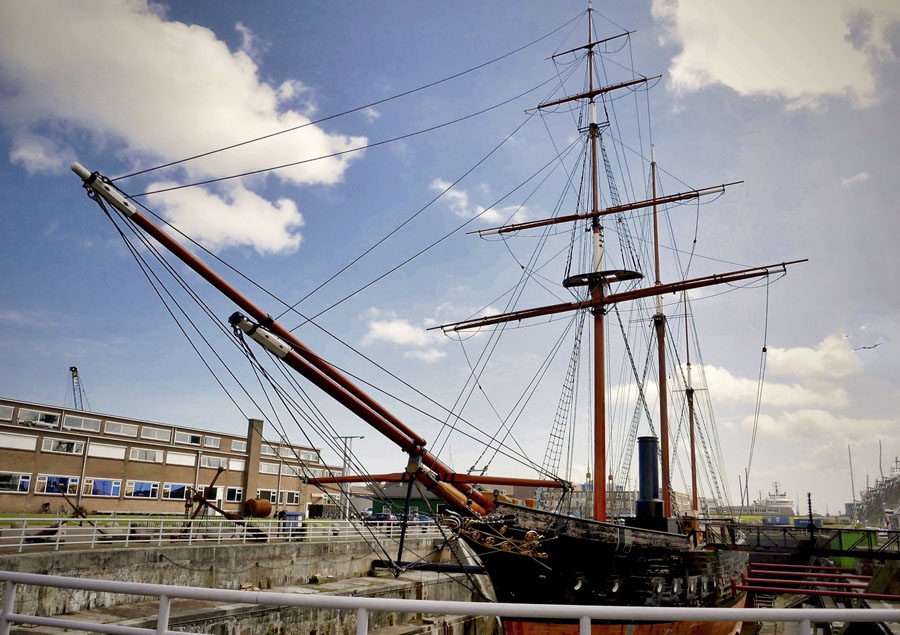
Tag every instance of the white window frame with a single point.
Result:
(48, 443)
(288, 497)
(135, 455)
(38, 423)
(213, 462)
(238, 446)
(189, 435)
(156, 434)
(237, 465)
(23, 476)
(291, 470)
(272, 497)
(167, 491)
(268, 450)
(71, 484)
(127, 429)
(234, 494)
(154, 489)
(309, 456)
(268, 468)
(212, 442)
(6, 412)
(81, 423)
(89, 481)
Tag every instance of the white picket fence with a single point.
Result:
(40, 534)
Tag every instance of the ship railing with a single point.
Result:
(831, 541)
(46, 533)
(363, 606)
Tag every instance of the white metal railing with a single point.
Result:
(41, 533)
(363, 606)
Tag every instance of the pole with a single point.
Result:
(599, 310)
(345, 496)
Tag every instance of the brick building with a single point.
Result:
(108, 463)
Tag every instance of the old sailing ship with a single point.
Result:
(537, 555)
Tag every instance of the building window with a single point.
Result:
(188, 438)
(214, 462)
(287, 452)
(141, 489)
(290, 470)
(71, 422)
(62, 446)
(234, 494)
(148, 456)
(268, 468)
(120, 429)
(268, 450)
(6, 413)
(180, 458)
(289, 498)
(37, 419)
(53, 484)
(101, 487)
(103, 451)
(312, 457)
(212, 442)
(236, 464)
(157, 434)
(14, 482)
(17, 441)
(316, 472)
(176, 491)
(267, 494)
(238, 446)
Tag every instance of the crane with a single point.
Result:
(76, 388)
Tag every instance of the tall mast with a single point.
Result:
(659, 322)
(689, 391)
(599, 311)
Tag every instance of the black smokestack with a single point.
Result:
(648, 504)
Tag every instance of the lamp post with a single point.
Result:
(345, 496)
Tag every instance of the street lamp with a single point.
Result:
(345, 496)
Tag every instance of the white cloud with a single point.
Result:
(799, 51)
(421, 344)
(458, 202)
(149, 90)
(832, 357)
(820, 424)
(727, 388)
(862, 177)
(370, 113)
(429, 355)
(40, 154)
(237, 218)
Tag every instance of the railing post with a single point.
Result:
(162, 620)
(362, 622)
(59, 530)
(219, 534)
(804, 627)
(584, 626)
(22, 535)
(159, 542)
(93, 534)
(127, 533)
(9, 600)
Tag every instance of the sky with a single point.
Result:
(797, 99)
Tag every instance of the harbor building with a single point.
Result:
(106, 463)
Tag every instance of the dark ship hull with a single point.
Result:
(538, 557)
